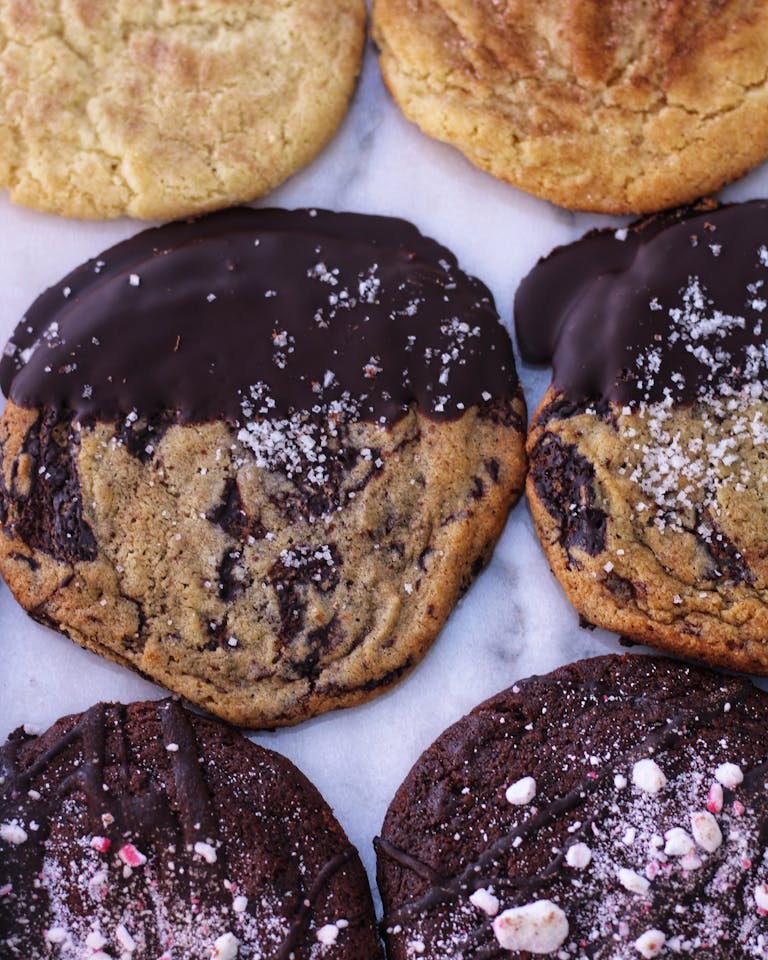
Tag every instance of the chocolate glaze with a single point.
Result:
(586, 307)
(187, 317)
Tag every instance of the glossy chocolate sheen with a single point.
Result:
(671, 284)
(319, 307)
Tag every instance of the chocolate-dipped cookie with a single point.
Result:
(613, 809)
(258, 456)
(647, 484)
(145, 832)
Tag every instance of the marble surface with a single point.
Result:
(513, 622)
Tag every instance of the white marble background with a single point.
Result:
(514, 621)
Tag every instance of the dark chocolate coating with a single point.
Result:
(587, 307)
(320, 307)
(165, 781)
(450, 831)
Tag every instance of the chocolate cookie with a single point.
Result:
(145, 832)
(648, 485)
(259, 456)
(163, 110)
(608, 105)
(615, 808)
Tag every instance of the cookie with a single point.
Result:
(145, 831)
(259, 456)
(613, 107)
(647, 484)
(615, 808)
(165, 110)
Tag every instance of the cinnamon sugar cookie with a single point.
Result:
(259, 456)
(164, 110)
(613, 106)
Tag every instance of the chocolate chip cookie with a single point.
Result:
(648, 484)
(615, 808)
(258, 456)
(145, 831)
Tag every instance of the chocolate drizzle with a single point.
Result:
(598, 308)
(181, 322)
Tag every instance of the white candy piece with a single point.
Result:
(648, 776)
(59, 934)
(206, 851)
(240, 904)
(12, 833)
(521, 791)
(706, 831)
(679, 842)
(761, 896)
(619, 781)
(124, 938)
(327, 934)
(730, 775)
(225, 947)
(539, 927)
(650, 944)
(578, 856)
(484, 900)
(633, 882)
(95, 941)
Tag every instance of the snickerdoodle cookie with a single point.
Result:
(160, 110)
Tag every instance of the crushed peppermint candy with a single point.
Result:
(648, 776)
(539, 927)
(521, 791)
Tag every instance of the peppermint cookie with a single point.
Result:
(648, 484)
(615, 808)
(259, 456)
(607, 106)
(164, 110)
(145, 831)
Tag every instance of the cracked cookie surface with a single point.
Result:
(612, 809)
(165, 109)
(258, 457)
(625, 106)
(648, 481)
(144, 830)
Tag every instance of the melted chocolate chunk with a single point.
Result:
(50, 514)
(247, 313)
(564, 481)
(294, 574)
(672, 305)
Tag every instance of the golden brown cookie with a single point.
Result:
(613, 106)
(259, 456)
(164, 110)
(648, 480)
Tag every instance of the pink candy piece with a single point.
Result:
(102, 844)
(6, 889)
(715, 798)
(738, 808)
(131, 856)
